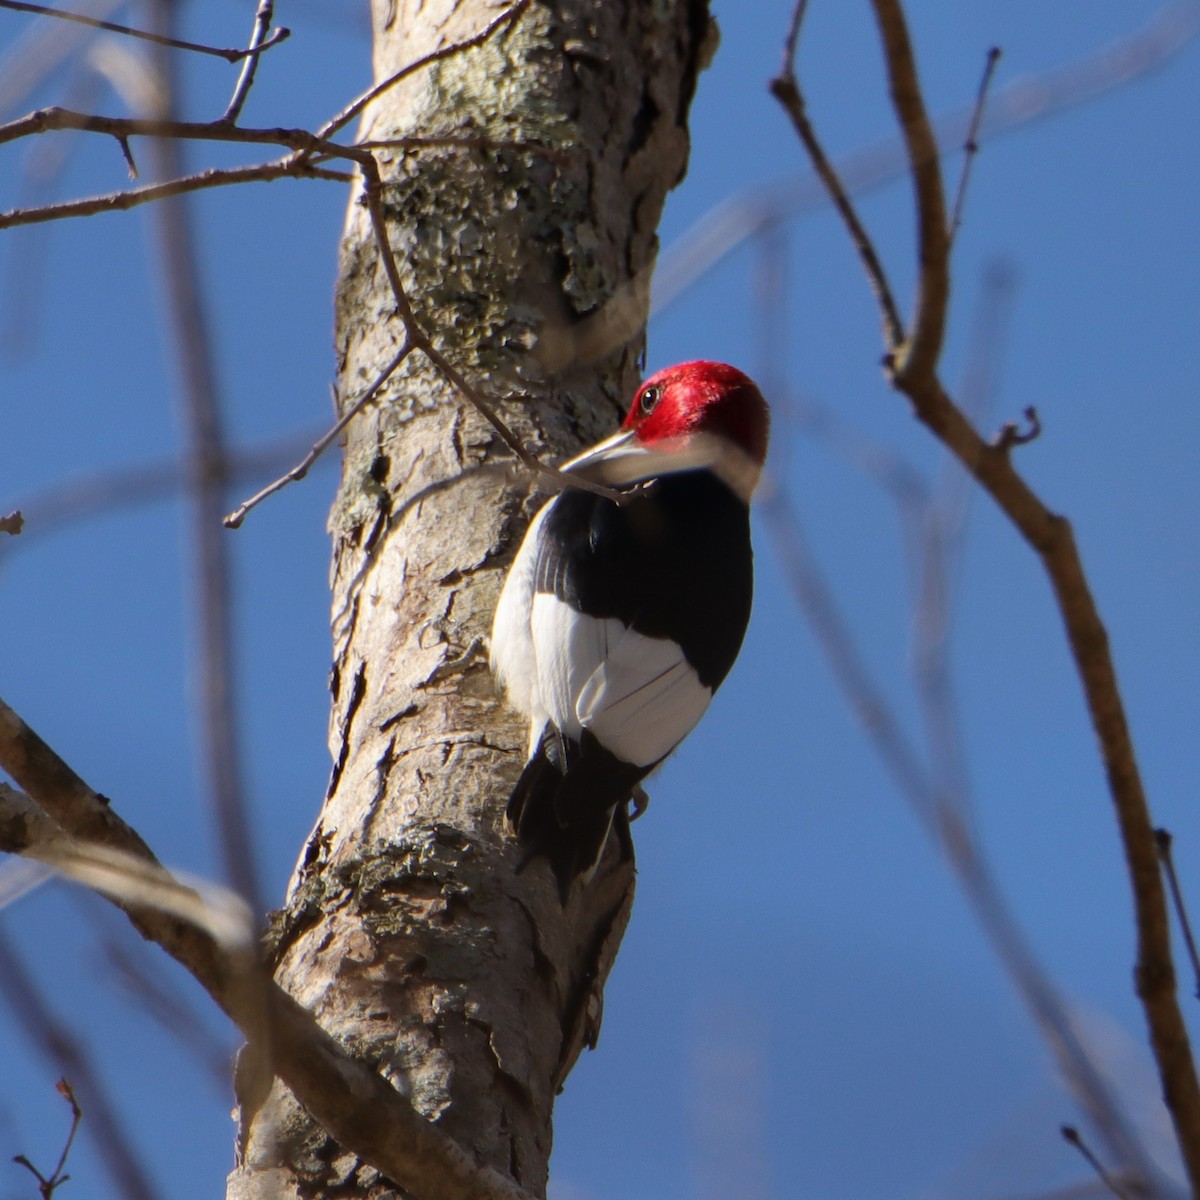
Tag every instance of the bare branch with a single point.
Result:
(202, 180)
(258, 40)
(1050, 535)
(786, 89)
(1013, 107)
(251, 52)
(919, 354)
(44, 120)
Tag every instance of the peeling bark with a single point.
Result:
(406, 930)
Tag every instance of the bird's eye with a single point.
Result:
(648, 400)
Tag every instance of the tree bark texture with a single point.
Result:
(406, 929)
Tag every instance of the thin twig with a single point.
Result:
(213, 177)
(971, 143)
(58, 1044)
(347, 114)
(1163, 840)
(235, 518)
(1011, 434)
(229, 55)
(67, 1092)
(260, 36)
(785, 88)
(792, 41)
(1072, 1137)
(49, 1184)
(372, 191)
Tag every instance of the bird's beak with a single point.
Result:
(622, 460)
(614, 462)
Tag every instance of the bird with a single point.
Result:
(620, 617)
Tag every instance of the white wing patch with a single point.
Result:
(513, 657)
(638, 695)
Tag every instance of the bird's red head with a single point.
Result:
(701, 397)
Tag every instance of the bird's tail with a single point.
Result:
(563, 805)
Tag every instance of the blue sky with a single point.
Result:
(802, 987)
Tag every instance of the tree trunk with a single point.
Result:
(407, 931)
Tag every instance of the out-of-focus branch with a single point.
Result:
(56, 1042)
(913, 370)
(207, 460)
(151, 991)
(251, 52)
(357, 1106)
(1111, 1183)
(939, 796)
(939, 544)
(941, 816)
(40, 49)
(72, 500)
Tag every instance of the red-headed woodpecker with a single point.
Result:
(618, 620)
